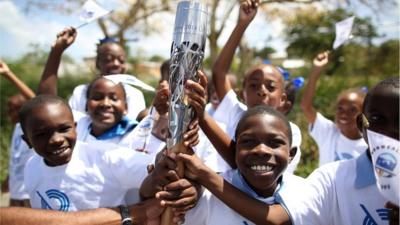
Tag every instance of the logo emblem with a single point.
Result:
(385, 165)
(55, 197)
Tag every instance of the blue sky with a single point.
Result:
(18, 29)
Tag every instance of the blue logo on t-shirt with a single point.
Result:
(61, 197)
(369, 220)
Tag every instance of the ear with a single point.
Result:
(241, 95)
(97, 62)
(292, 153)
(286, 106)
(283, 100)
(26, 141)
(126, 109)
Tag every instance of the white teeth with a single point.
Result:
(59, 151)
(263, 168)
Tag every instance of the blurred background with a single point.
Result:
(286, 33)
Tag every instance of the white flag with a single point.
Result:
(129, 79)
(92, 11)
(343, 31)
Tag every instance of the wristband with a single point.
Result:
(125, 216)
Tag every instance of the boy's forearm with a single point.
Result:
(49, 80)
(220, 140)
(223, 63)
(306, 103)
(21, 86)
(27, 216)
(252, 209)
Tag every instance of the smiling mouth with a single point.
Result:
(59, 151)
(262, 168)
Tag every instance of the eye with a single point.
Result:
(276, 142)
(96, 97)
(65, 128)
(271, 86)
(114, 98)
(247, 142)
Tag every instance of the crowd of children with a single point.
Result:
(105, 149)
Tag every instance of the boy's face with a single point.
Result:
(50, 130)
(348, 107)
(106, 105)
(382, 112)
(264, 86)
(111, 59)
(262, 152)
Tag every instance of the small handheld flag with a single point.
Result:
(343, 31)
(91, 11)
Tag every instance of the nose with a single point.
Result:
(262, 149)
(263, 91)
(116, 62)
(106, 102)
(56, 139)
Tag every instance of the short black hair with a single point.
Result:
(391, 82)
(164, 71)
(99, 78)
(263, 110)
(36, 102)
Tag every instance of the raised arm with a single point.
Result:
(21, 86)
(220, 140)
(248, 10)
(306, 103)
(48, 82)
(254, 210)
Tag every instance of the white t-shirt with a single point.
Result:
(134, 139)
(229, 112)
(134, 99)
(98, 175)
(342, 192)
(211, 211)
(20, 153)
(332, 144)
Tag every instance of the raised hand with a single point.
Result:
(322, 59)
(191, 136)
(64, 39)
(161, 99)
(248, 10)
(195, 169)
(196, 94)
(4, 70)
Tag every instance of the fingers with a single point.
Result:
(202, 79)
(180, 184)
(191, 137)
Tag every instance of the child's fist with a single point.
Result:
(65, 38)
(248, 10)
(322, 59)
(196, 93)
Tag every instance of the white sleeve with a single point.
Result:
(128, 166)
(78, 99)
(135, 101)
(229, 112)
(199, 214)
(321, 129)
(316, 203)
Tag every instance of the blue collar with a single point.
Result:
(364, 172)
(124, 126)
(239, 182)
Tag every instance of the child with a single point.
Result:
(342, 192)
(19, 151)
(70, 175)
(341, 139)
(262, 154)
(262, 85)
(110, 60)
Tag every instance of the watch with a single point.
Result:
(125, 216)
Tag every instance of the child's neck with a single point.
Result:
(352, 135)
